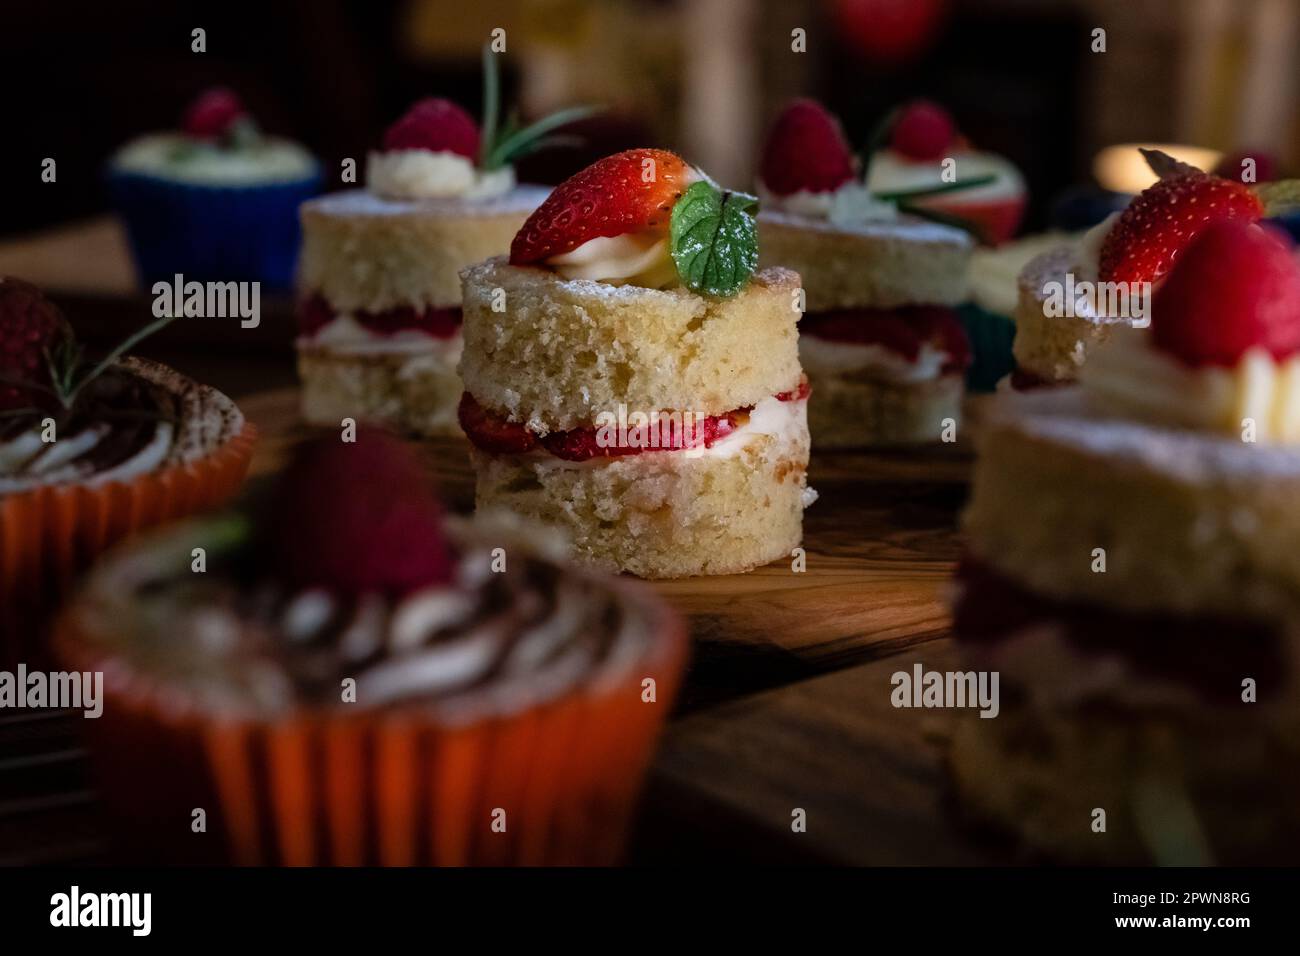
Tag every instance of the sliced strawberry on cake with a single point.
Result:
(1072, 297)
(632, 378)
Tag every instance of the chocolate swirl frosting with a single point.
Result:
(488, 641)
(135, 418)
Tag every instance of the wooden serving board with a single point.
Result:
(880, 543)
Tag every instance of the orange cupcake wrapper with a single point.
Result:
(49, 535)
(390, 789)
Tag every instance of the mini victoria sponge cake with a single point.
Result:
(883, 347)
(379, 284)
(1132, 575)
(381, 302)
(631, 379)
(566, 351)
(1121, 689)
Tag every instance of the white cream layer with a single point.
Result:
(849, 204)
(424, 174)
(824, 357)
(1128, 376)
(182, 159)
(891, 172)
(345, 334)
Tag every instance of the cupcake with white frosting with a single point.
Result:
(216, 200)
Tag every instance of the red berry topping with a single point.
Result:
(437, 125)
(805, 150)
(30, 329)
(315, 312)
(499, 436)
(356, 518)
(582, 444)
(212, 114)
(797, 394)
(1235, 287)
(902, 330)
(1158, 224)
(924, 131)
(632, 191)
(490, 432)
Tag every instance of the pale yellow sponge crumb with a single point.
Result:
(879, 265)
(413, 392)
(555, 353)
(362, 252)
(662, 514)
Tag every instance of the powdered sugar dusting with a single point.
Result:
(361, 202)
(906, 228)
(1064, 416)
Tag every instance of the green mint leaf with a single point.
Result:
(1279, 198)
(714, 239)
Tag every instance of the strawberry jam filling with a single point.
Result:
(1209, 654)
(903, 331)
(314, 313)
(497, 435)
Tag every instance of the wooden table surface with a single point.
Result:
(787, 701)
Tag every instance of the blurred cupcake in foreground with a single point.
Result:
(90, 452)
(216, 200)
(379, 285)
(356, 680)
(1132, 576)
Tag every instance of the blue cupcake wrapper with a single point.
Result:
(990, 337)
(223, 233)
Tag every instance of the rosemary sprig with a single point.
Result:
(502, 144)
(903, 195)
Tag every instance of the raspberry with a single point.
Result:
(1236, 287)
(805, 151)
(357, 518)
(923, 131)
(436, 125)
(212, 113)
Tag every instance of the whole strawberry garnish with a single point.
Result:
(356, 518)
(632, 191)
(31, 330)
(805, 151)
(437, 125)
(213, 113)
(1158, 224)
(1236, 286)
(923, 131)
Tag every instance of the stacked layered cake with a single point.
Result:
(1133, 575)
(1072, 297)
(882, 345)
(631, 379)
(379, 316)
